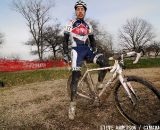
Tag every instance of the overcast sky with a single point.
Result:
(111, 14)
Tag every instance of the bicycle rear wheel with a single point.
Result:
(146, 109)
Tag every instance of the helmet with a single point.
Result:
(80, 3)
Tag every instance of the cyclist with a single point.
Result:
(83, 48)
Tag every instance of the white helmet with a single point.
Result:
(80, 3)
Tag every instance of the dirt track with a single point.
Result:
(44, 105)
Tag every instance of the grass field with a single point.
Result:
(144, 63)
(24, 77)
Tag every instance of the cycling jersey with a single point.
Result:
(80, 32)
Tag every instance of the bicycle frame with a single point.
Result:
(117, 71)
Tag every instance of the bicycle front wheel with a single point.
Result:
(144, 107)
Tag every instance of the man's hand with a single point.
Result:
(117, 56)
(94, 50)
(67, 58)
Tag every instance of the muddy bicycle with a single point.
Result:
(137, 99)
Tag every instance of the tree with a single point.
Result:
(1, 38)
(103, 39)
(157, 48)
(136, 32)
(53, 39)
(36, 14)
(153, 48)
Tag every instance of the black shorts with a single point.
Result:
(79, 54)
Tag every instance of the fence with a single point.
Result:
(18, 65)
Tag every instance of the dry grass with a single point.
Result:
(44, 105)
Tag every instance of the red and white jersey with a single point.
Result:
(78, 30)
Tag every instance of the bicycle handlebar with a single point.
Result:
(137, 58)
(129, 54)
(133, 53)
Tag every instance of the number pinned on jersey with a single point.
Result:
(68, 28)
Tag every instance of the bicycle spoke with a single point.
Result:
(147, 107)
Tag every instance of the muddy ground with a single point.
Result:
(44, 105)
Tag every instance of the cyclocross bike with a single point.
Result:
(136, 98)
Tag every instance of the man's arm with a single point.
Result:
(91, 38)
(92, 42)
(66, 58)
(67, 31)
(65, 43)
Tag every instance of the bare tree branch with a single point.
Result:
(136, 32)
(154, 48)
(103, 39)
(53, 39)
(36, 14)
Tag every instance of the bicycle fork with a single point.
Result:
(129, 89)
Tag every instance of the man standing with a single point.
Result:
(83, 48)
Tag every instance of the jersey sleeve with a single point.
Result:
(67, 31)
(68, 27)
(90, 29)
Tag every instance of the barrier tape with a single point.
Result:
(18, 65)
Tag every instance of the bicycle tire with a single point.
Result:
(130, 114)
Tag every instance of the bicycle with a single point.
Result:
(130, 92)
